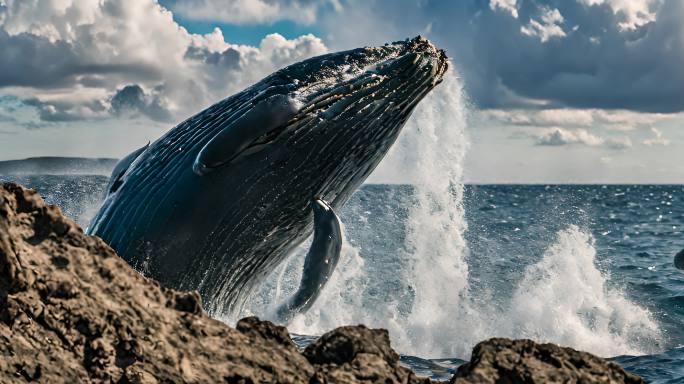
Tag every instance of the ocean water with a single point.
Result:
(586, 266)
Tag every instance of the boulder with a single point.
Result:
(357, 355)
(502, 361)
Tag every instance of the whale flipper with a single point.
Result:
(319, 263)
(121, 167)
(263, 118)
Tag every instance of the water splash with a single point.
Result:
(430, 310)
(431, 154)
(565, 299)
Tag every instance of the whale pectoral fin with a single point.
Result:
(121, 167)
(319, 263)
(258, 122)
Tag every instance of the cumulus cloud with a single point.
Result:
(618, 142)
(250, 11)
(561, 137)
(81, 59)
(548, 28)
(615, 120)
(632, 13)
(599, 63)
(132, 100)
(505, 5)
(657, 139)
(65, 110)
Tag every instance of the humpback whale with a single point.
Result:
(219, 201)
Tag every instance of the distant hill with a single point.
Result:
(58, 166)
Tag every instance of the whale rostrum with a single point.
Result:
(221, 199)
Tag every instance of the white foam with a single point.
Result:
(434, 264)
(563, 298)
(431, 154)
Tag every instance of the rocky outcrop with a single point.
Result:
(355, 355)
(524, 361)
(71, 311)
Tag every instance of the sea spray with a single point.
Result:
(431, 154)
(428, 155)
(565, 299)
(429, 309)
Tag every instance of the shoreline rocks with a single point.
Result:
(72, 311)
(500, 360)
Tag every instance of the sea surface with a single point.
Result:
(587, 266)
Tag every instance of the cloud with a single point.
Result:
(623, 142)
(632, 13)
(600, 63)
(552, 63)
(132, 100)
(548, 28)
(250, 11)
(615, 120)
(82, 59)
(6, 119)
(657, 139)
(557, 136)
(543, 118)
(505, 5)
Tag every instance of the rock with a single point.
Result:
(679, 260)
(71, 311)
(356, 355)
(501, 360)
(255, 328)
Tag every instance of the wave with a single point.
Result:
(563, 298)
(566, 299)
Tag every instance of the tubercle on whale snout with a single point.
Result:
(317, 74)
(402, 60)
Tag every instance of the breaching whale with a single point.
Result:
(220, 200)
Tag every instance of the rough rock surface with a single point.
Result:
(71, 311)
(503, 361)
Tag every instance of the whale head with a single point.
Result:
(331, 118)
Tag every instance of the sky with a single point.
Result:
(559, 91)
